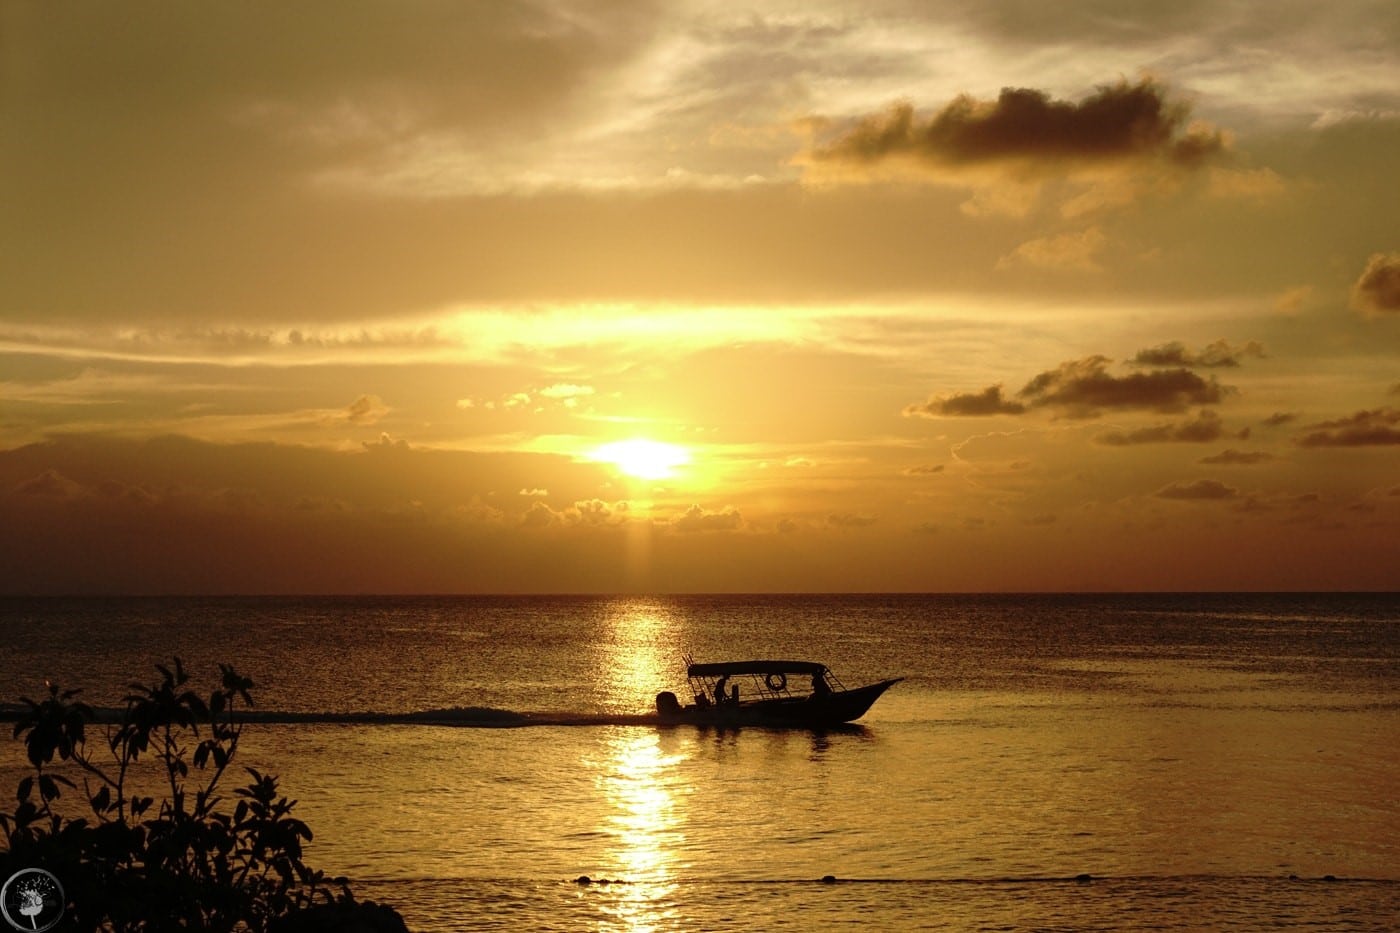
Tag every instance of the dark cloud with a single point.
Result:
(987, 402)
(1201, 490)
(1118, 123)
(1218, 354)
(1084, 388)
(1378, 289)
(1204, 428)
(850, 520)
(1376, 428)
(1234, 457)
(1279, 419)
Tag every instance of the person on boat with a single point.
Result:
(721, 696)
(820, 687)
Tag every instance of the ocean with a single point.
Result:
(1066, 762)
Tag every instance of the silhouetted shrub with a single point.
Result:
(176, 859)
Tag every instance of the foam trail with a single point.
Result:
(473, 717)
(478, 717)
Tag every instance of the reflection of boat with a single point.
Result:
(801, 694)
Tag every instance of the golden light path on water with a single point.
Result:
(645, 827)
(641, 654)
(643, 798)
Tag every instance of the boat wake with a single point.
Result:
(472, 717)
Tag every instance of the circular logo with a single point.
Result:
(32, 899)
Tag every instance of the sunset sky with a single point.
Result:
(699, 296)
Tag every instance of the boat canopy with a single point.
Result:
(761, 668)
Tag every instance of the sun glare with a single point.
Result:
(643, 459)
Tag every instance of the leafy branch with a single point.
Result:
(205, 868)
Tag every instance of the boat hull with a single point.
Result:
(810, 712)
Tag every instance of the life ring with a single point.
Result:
(776, 681)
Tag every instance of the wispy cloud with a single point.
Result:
(1218, 354)
(1201, 490)
(1378, 427)
(1232, 457)
(989, 401)
(1073, 252)
(1204, 428)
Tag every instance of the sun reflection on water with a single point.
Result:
(638, 776)
(641, 656)
(644, 826)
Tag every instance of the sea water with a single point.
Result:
(1048, 762)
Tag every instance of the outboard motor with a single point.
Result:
(667, 704)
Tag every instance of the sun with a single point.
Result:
(643, 459)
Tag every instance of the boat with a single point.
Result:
(784, 694)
